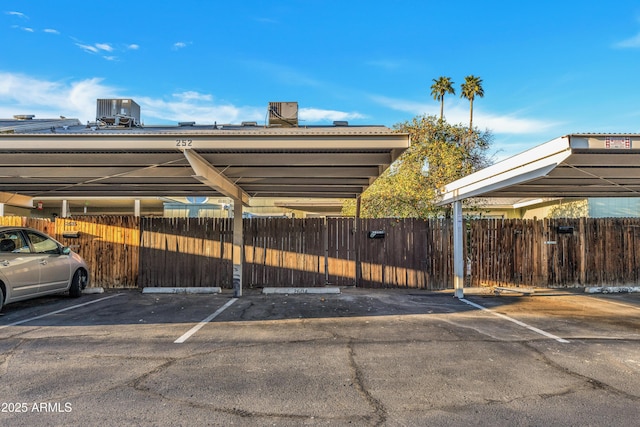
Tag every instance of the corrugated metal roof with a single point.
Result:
(73, 126)
(576, 165)
(306, 161)
(36, 125)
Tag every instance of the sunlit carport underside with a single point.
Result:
(572, 166)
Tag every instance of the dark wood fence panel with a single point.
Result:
(45, 225)
(186, 252)
(497, 251)
(439, 256)
(611, 251)
(555, 252)
(109, 244)
(341, 251)
(124, 251)
(413, 253)
(284, 252)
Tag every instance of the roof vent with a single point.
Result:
(249, 123)
(283, 114)
(182, 124)
(24, 116)
(340, 123)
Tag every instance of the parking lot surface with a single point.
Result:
(363, 357)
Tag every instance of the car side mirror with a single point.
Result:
(65, 250)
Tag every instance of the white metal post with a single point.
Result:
(458, 252)
(1, 209)
(136, 208)
(238, 248)
(65, 208)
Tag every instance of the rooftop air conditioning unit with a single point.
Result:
(283, 114)
(118, 112)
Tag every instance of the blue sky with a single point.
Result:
(549, 68)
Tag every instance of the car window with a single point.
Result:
(42, 244)
(12, 241)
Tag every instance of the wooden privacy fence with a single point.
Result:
(109, 244)
(186, 252)
(555, 252)
(125, 251)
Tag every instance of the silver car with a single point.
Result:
(33, 264)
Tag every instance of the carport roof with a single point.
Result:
(576, 165)
(63, 158)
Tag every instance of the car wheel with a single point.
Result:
(75, 290)
(1, 298)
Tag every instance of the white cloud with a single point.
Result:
(179, 45)
(28, 29)
(18, 14)
(190, 108)
(319, 115)
(97, 48)
(133, 46)
(87, 48)
(192, 96)
(21, 94)
(632, 42)
(407, 106)
(457, 111)
(511, 124)
(104, 46)
(51, 31)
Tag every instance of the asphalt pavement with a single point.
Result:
(363, 357)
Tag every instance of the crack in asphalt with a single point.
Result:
(8, 355)
(589, 381)
(359, 382)
(379, 417)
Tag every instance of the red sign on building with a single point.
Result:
(617, 142)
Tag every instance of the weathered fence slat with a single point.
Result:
(125, 251)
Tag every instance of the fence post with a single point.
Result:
(356, 241)
(458, 252)
(238, 246)
(583, 251)
(325, 237)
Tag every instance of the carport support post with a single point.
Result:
(238, 248)
(458, 245)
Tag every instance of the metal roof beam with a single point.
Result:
(212, 177)
(493, 179)
(15, 199)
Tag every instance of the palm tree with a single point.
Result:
(471, 88)
(439, 89)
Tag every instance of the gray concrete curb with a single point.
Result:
(204, 290)
(93, 291)
(611, 289)
(325, 290)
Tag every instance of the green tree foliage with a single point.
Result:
(440, 87)
(439, 153)
(471, 88)
(572, 209)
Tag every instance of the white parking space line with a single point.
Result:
(58, 311)
(196, 328)
(517, 322)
